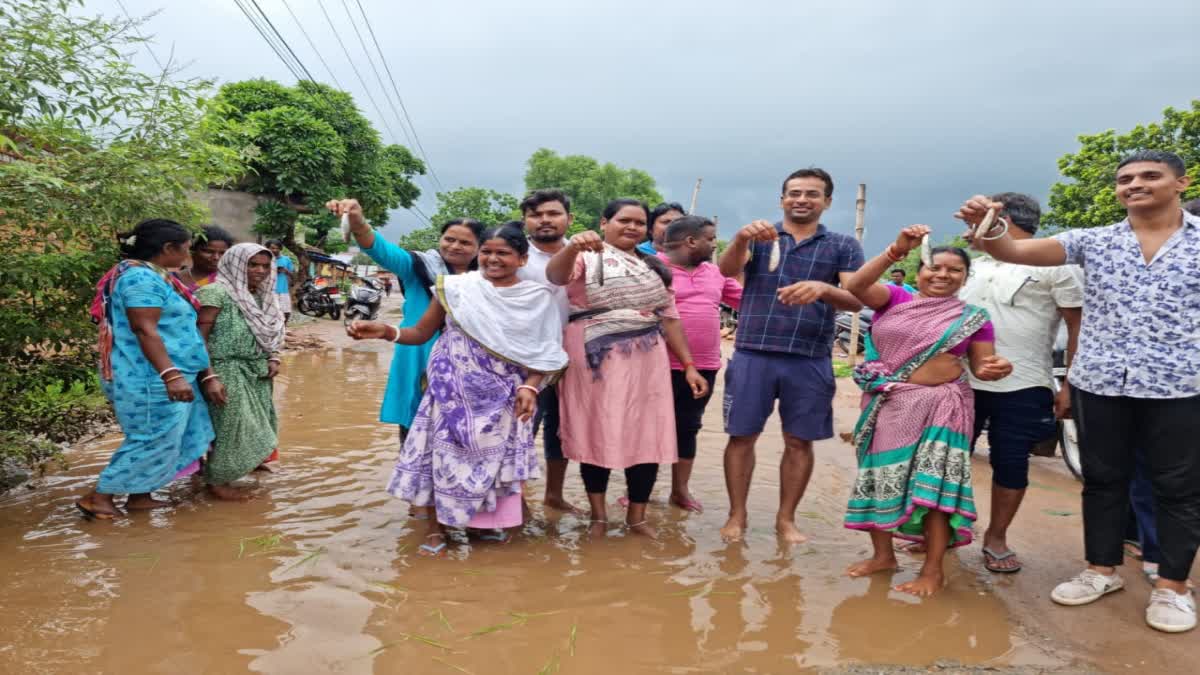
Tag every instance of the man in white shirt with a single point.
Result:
(1025, 304)
(547, 216)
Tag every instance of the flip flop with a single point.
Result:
(434, 551)
(498, 536)
(991, 558)
(690, 504)
(92, 515)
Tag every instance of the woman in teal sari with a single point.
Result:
(913, 437)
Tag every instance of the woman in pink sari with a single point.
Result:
(913, 437)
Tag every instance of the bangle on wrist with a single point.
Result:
(169, 380)
(530, 387)
(891, 254)
(207, 378)
(689, 364)
(396, 337)
(168, 370)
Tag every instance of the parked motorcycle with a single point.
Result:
(316, 301)
(841, 330)
(362, 302)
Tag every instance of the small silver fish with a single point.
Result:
(346, 226)
(773, 261)
(926, 251)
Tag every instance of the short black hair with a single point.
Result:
(662, 210)
(898, 269)
(545, 196)
(1021, 209)
(511, 233)
(810, 172)
(1157, 156)
(273, 242)
(960, 252)
(687, 226)
(149, 237)
(615, 206)
(211, 233)
(1193, 207)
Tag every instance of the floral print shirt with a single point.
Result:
(1141, 321)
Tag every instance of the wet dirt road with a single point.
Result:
(319, 574)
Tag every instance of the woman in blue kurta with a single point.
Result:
(154, 368)
(417, 272)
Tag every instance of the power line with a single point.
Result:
(387, 96)
(313, 45)
(396, 89)
(267, 38)
(285, 44)
(357, 75)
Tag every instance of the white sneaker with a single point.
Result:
(1171, 612)
(1088, 587)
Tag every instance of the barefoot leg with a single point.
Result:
(99, 506)
(795, 469)
(556, 474)
(937, 539)
(883, 559)
(145, 501)
(598, 526)
(635, 520)
(739, 468)
(229, 493)
(435, 537)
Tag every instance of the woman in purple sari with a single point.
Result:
(470, 447)
(913, 437)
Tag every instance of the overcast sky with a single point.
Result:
(925, 102)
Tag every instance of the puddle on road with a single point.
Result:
(319, 574)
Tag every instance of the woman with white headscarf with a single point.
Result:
(241, 320)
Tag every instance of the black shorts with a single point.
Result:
(689, 411)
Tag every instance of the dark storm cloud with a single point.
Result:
(925, 102)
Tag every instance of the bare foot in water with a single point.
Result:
(788, 530)
(865, 568)
(923, 586)
(643, 529)
(229, 493)
(145, 502)
(733, 530)
(598, 528)
(560, 504)
(97, 506)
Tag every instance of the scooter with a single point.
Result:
(841, 330)
(363, 301)
(318, 301)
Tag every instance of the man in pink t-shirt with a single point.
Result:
(700, 288)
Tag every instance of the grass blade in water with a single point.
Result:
(429, 641)
(446, 663)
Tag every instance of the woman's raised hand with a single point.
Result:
(910, 238)
(368, 330)
(526, 404)
(587, 241)
(338, 207)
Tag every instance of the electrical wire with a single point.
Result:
(387, 96)
(145, 42)
(283, 41)
(312, 44)
(267, 38)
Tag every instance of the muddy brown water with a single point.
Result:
(319, 573)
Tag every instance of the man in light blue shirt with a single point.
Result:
(898, 276)
(1136, 379)
(284, 270)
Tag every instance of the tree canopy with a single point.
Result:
(305, 145)
(1088, 198)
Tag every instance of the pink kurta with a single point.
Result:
(627, 415)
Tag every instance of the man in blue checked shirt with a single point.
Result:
(1136, 380)
(784, 342)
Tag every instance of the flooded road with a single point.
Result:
(319, 574)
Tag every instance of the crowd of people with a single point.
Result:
(609, 342)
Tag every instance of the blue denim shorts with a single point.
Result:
(803, 385)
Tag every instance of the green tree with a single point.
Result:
(89, 147)
(308, 144)
(590, 184)
(487, 206)
(1088, 198)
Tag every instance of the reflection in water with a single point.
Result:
(320, 574)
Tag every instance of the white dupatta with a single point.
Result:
(520, 323)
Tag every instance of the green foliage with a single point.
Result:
(590, 184)
(51, 408)
(305, 145)
(361, 258)
(94, 147)
(487, 206)
(1088, 198)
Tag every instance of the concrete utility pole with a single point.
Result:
(695, 193)
(860, 207)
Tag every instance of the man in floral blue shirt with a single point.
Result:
(1136, 378)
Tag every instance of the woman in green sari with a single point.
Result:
(243, 324)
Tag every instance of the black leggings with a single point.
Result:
(639, 478)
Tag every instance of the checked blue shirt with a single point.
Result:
(767, 325)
